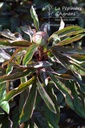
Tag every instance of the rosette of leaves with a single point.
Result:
(51, 71)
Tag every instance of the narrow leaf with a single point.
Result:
(62, 24)
(69, 40)
(29, 106)
(41, 64)
(79, 106)
(48, 101)
(29, 54)
(21, 43)
(15, 75)
(62, 88)
(9, 68)
(19, 89)
(4, 55)
(51, 117)
(67, 31)
(35, 18)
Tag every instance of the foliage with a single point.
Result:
(51, 72)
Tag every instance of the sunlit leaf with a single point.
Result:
(68, 31)
(35, 18)
(69, 40)
(29, 54)
(19, 89)
(5, 106)
(9, 69)
(21, 43)
(4, 55)
(13, 36)
(62, 24)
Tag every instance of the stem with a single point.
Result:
(7, 86)
(40, 50)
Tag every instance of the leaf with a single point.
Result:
(48, 101)
(51, 117)
(29, 105)
(15, 117)
(79, 106)
(44, 76)
(15, 75)
(62, 24)
(9, 68)
(40, 64)
(13, 36)
(35, 18)
(79, 57)
(68, 31)
(23, 97)
(4, 55)
(64, 90)
(70, 40)
(21, 43)
(77, 69)
(5, 106)
(19, 89)
(27, 29)
(69, 64)
(29, 54)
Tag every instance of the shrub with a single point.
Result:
(51, 72)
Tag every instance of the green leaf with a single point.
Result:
(35, 18)
(9, 68)
(69, 63)
(79, 57)
(15, 75)
(19, 89)
(79, 106)
(67, 31)
(15, 117)
(62, 88)
(51, 117)
(29, 54)
(5, 106)
(48, 101)
(21, 43)
(77, 68)
(29, 105)
(23, 97)
(70, 40)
